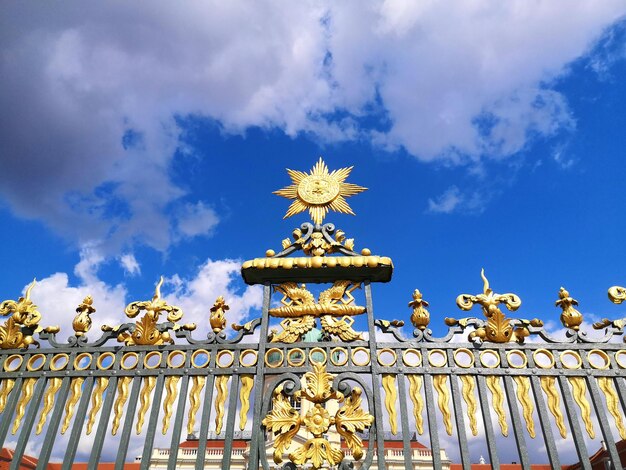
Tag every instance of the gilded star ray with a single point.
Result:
(319, 191)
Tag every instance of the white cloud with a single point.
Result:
(196, 219)
(453, 199)
(214, 278)
(91, 93)
(57, 298)
(446, 202)
(130, 264)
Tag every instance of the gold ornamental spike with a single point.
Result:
(443, 400)
(28, 387)
(391, 395)
(171, 387)
(612, 403)
(497, 402)
(149, 382)
(523, 396)
(218, 316)
(5, 389)
(120, 401)
(319, 191)
(415, 385)
(470, 400)
(82, 321)
(221, 383)
(420, 316)
(247, 382)
(48, 401)
(194, 401)
(75, 394)
(554, 402)
(96, 401)
(579, 390)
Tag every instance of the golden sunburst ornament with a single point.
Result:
(319, 191)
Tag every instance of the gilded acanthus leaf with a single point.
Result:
(283, 421)
(351, 418)
(318, 384)
(317, 450)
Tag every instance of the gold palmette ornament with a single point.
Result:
(145, 331)
(498, 328)
(285, 422)
(17, 332)
(319, 191)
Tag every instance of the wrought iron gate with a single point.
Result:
(322, 397)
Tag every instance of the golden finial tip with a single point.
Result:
(270, 253)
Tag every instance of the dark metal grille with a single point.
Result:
(539, 393)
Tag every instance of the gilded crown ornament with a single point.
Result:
(319, 191)
(17, 332)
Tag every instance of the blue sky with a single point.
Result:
(146, 139)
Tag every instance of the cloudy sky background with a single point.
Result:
(144, 139)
